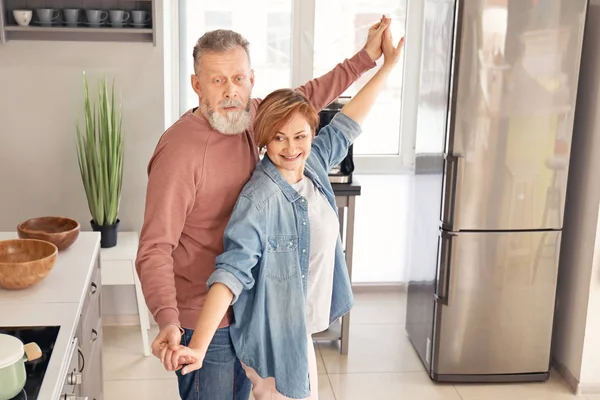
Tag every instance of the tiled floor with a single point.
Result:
(381, 365)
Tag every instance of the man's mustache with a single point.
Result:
(230, 103)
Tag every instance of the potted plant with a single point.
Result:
(100, 156)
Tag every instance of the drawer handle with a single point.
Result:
(82, 358)
(94, 336)
(94, 289)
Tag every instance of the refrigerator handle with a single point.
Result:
(450, 191)
(443, 282)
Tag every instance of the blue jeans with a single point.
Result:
(221, 376)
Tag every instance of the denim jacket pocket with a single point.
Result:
(283, 254)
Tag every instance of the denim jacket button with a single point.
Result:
(304, 250)
(304, 223)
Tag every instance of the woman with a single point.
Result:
(283, 268)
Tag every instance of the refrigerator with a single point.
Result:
(496, 104)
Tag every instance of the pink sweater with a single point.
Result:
(194, 178)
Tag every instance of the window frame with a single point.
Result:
(303, 28)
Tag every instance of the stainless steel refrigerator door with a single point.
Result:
(512, 102)
(495, 303)
(427, 181)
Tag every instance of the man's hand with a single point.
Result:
(374, 39)
(168, 339)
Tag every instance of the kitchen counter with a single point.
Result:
(58, 300)
(64, 315)
(67, 280)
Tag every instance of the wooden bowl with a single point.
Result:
(60, 231)
(25, 262)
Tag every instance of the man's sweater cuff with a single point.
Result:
(363, 61)
(167, 316)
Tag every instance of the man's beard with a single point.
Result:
(233, 122)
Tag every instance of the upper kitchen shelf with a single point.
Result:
(78, 20)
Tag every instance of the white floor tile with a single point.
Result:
(320, 365)
(373, 348)
(386, 307)
(325, 389)
(150, 389)
(554, 389)
(123, 357)
(390, 386)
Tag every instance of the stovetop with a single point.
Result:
(21, 396)
(45, 337)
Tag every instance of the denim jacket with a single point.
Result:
(265, 264)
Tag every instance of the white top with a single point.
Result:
(324, 231)
(11, 350)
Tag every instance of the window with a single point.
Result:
(323, 33)
(352, 22)
(267, 25)
(279, 39)
(217, 20)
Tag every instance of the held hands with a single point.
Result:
(379, 41)
(166, 347)
(374, 39)
(168, 337)
(167, 341)
(191, 358)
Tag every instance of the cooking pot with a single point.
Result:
(13, 355)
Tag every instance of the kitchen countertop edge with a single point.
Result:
(24, 312)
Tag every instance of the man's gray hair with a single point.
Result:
(219, 41)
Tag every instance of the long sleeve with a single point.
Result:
(243, 248)
(173, 175)
(325, 89)
(331, 145)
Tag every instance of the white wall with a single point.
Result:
(590, 364)
(589, 115)
(576, 341)
(381, 229)
(41, 95)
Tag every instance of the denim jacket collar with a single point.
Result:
(288, 191)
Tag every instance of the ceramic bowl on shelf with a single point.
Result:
(25, 262)
(60, 231)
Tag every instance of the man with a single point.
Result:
(195, 176)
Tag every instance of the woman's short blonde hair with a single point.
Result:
(277, 109)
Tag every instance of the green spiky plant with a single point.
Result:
(100, 153)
